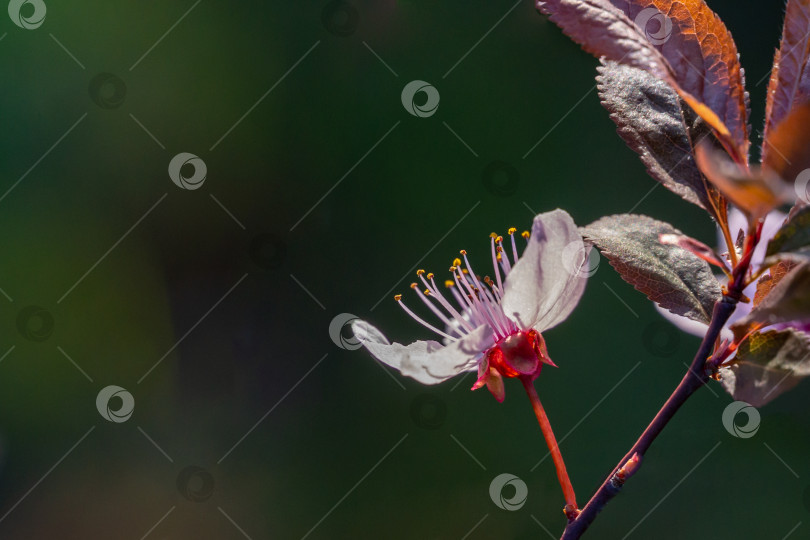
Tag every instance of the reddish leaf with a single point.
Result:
(767, 282)
(753, 192)
(789, 145)
(788, 301)
(661, 128)
(605, 30)
(704, 59)
(792, 240)
(767, 364)
(689, 47)
(790, 80)
(670, 276)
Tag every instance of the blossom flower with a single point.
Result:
(493, 325)
(736, 222)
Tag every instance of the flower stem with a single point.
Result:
(553, 447)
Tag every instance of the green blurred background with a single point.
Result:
(234, 285)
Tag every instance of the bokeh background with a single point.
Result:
(212, 306)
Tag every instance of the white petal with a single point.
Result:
(683, 323)
(773, 222)
(429, 362)
(546, 283)
(737, 221)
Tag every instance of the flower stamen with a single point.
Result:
(421, 321)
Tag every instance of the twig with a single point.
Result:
(696, 377)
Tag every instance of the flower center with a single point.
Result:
(520, 354)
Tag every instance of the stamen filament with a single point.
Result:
(512, 232)
(422, 322)
(495, 264)
(435, 310)
(477, 305)
(436, 293)
(507, 267)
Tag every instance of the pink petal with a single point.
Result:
(429, 362)
(545, 285)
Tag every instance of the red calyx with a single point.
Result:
(518, 355)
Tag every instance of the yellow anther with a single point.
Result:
(452, 268)
(463, 251)
(420, 272)
(414, 285)
(398, 297)
(456, 262)
(525, 234)
(449, 283)
(430, 275)
(499, 240)
(493, 235)
(464, 271)
(511, 230)
(427, 292)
